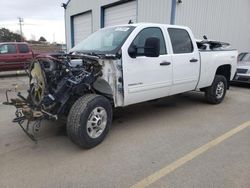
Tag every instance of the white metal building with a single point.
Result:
(223, 20)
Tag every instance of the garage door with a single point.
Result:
(120, 14)
(82, 27)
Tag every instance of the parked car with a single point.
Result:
(243, 68)
(120, 66)
(15, 56)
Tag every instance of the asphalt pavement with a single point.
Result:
(144, 139)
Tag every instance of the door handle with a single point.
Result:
(193, 60)
(165, 63)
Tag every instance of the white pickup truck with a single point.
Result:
(123, 65)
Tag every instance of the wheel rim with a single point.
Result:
(97, 122)
(220, 90)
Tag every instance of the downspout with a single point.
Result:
(64, 5)
(102, 17)
(65, 32)
(173, 12)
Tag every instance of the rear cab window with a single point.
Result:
(180, 40)
(23, 48)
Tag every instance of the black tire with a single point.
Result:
(79, 115)
(210, 92)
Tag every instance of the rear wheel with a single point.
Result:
(89, 120)
(217, 91)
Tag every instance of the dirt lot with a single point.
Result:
(145, 139)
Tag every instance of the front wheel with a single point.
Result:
(217, 91)
(89, 120)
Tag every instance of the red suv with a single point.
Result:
(14, 56)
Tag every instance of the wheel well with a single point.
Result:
(103, 87)
(225, 70)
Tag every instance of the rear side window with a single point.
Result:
(23, 48)
(181, 41)
(8, 49)
(146, 33)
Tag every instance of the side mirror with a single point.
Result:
(152, 47)
(132, 51)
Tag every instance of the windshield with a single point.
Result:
(108, 40)
(246, 58)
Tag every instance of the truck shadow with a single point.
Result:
(145, 109)
(131, 117)
(242, 85)
(12, 74)
(151, 108)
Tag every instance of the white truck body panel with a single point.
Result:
(185, 73)
(211, 60)
(144, 79)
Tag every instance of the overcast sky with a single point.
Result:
(41, 18)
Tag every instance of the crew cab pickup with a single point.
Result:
(14, 56)
(120, 66)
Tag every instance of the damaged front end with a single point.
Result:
(55, 83)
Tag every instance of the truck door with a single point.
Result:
(25, 54)
(8, 56)
(146, 78)
(186, 60)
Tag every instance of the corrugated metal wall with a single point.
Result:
(224, 20)
(80, 32)
(120, 14)
(147, 11)
(80, 6)
(156, 11)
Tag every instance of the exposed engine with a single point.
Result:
(57, 81)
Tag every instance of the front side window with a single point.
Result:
(181, 41)
(8, 49)
(141, 38)
(23, 48)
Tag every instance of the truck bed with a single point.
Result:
(211, 60)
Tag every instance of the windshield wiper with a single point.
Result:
(84, 53)
(99, 55)
(96, 54)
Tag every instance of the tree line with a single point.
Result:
(8, 36)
